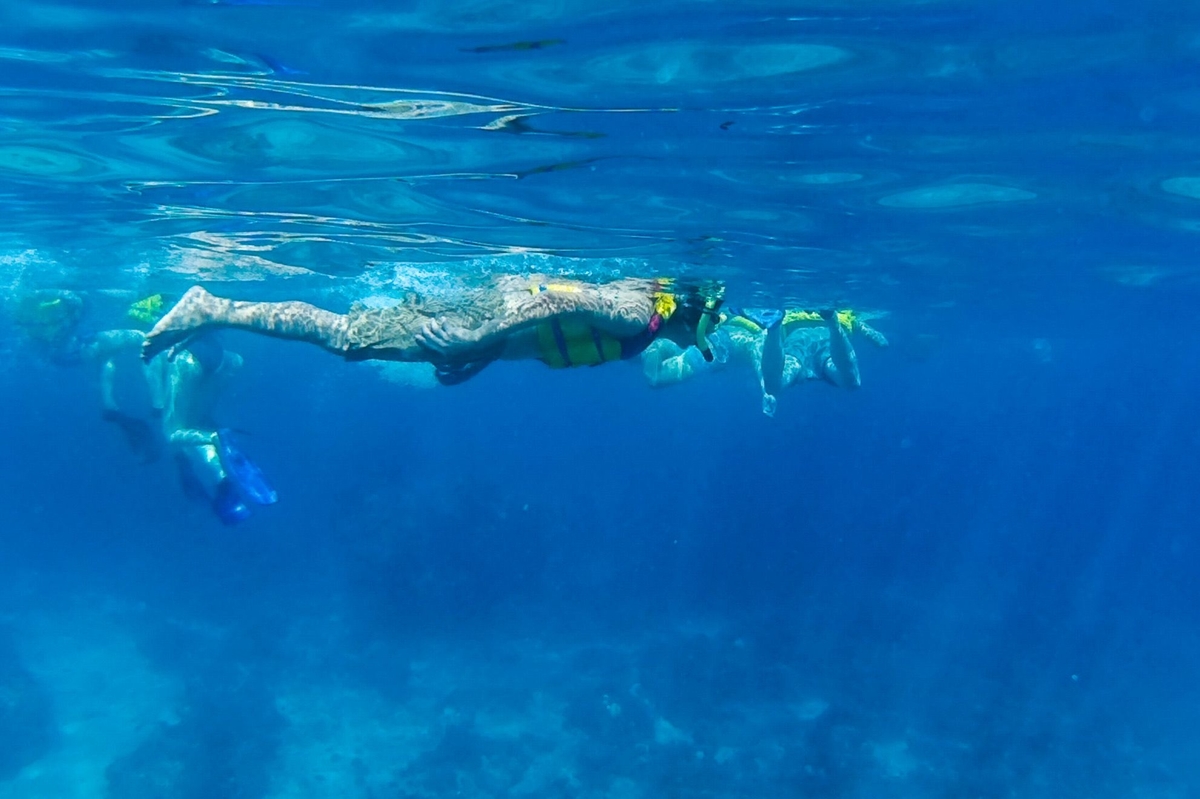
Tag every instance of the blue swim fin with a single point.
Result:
(243, 472)
(766, 318)
(228, 505)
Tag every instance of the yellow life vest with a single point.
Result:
(147, 310)
(570, 343)
(566, 343)
(793, 320)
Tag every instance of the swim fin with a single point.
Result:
(228, 505)
(243, 473)
(766, 318)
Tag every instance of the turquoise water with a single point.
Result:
(876, 149)
(972, 577)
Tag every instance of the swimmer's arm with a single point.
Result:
(103, 348)
(621, 313)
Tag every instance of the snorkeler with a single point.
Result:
(557, 321)
(187, 385)
(50, 320)
(103, 349)
(783, 348)
(184, 386)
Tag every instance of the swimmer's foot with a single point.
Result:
(194, 311)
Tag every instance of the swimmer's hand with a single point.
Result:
(448, 341)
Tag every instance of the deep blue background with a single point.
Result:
(976, 505)
(989, 549)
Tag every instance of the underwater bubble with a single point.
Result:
(1183, 186)
(956, 195)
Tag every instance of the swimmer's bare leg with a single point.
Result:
(103, 349)
(841, 368)
(754, 346)
(198, 311)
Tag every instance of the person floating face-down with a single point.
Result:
(184, 385)
(783, 348)
(558, 321)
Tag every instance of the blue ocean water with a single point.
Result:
(971, 577)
